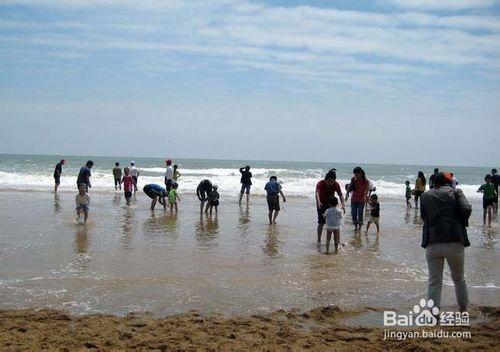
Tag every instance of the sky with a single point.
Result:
(393, 81)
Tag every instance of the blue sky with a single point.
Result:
(395, 81)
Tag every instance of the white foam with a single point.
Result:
(295, 182)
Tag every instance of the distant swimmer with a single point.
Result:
(57, 174)
(82, 201)
(203, 190)
(117, 174)
(134, 172)
(246, 182)
(156, 193)
(84, 175)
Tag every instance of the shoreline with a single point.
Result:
(317, 330)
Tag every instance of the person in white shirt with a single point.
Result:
(82, 202)
(134, 172)
(169, 174)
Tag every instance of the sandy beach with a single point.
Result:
(267, 285)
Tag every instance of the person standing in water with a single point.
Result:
(359, 189)
(57, 174)
(84, 175)
(495, 179)
(431, 178)
(246, 182)
(82, 201)
(117, 174)
(202, 192)
(420, 183)
(325, 191)
(273, 189)
(177, 174)
(169, 175)
(128, 185)
(134, 172)
(489, 196)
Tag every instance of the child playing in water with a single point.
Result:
(82, 201)
(173, 197)
(333, 218)
(408, 194)
(128, 185)
(374, 213)
(489, 196)
(213, 199)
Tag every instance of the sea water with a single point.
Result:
(34, 173)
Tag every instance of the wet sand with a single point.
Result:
(129, 260)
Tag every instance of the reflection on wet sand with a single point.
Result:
(272, 242)
(417, 219)
(361, 241)
(117, 199)
(155, 224)
(57, 204)
(245, 217)
(206, 230)
(126, 228)
(82, 247)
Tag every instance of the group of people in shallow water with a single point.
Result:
(444, 209)
(489, 190)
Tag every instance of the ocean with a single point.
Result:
(34, 173)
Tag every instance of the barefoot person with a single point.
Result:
(273, 189)
(333, 218)
(134, 172)
(489, 197)
(445, 212)
(246, 182)
(202, 192)
(325, 191)
(169, 175)
(156, 193)
(57, 174)
(84, 175)
(128, 185)
(420, 183)
(117, 174)
(82, 201)
(495, 179)
(359, 189)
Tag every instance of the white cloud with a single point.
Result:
(451, 5)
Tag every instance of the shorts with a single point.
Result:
(332, 228)
(128, 194)
(245, 188)
(57, 180)
(150, 192)
(83, 207)
(417, 193)
(321, 216)
(168, 184)
(273, 202)
(488, 202)
(213, 203)
(374, 219)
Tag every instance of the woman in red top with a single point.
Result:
(359, 188)
(325, 191)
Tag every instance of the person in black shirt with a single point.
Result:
(84, 175)
(246, 182)
(203, 191)
(431, 179)
(57, 174)
(374, 213)
(495, 179)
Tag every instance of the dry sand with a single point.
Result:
(317, 330)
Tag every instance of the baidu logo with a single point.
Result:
(423, 314)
